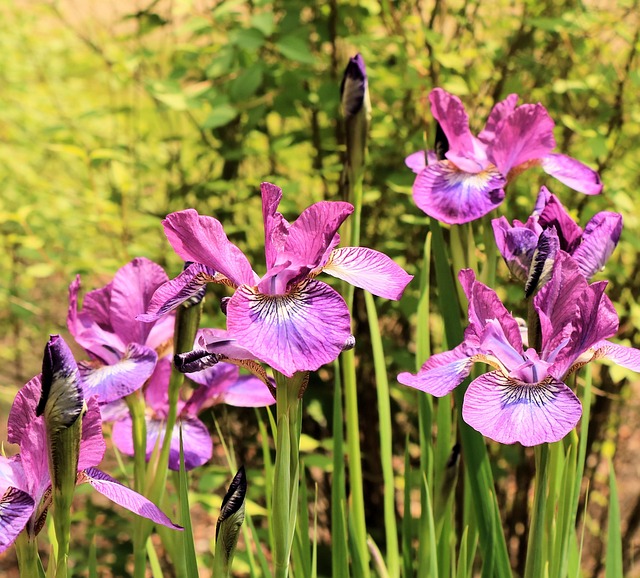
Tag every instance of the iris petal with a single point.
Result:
(452, 196)
(369, 270)
(441, 373)
(600, 237)
(16, 508)
(572, 173)
(508, 412)
(299, 331)
(111, 382)
(123, 496)
(185, 286)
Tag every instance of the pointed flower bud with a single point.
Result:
(230, 521)
(356, 107)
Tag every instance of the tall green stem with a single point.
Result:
(27, 552)
(287, 467)
(536, 557)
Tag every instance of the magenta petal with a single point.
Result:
(516, 245)
(132, 289)
(369, 270)
(16, 508)
(600, 237)
(525, 135)
(196, 444)
(300, 331)
(449, 111)
(156, 393)
(220, 342)
(454, 197)
(217, 378)
(23, 410)
(313, 232)
(172, 294)
(276, 227)
(122, 436)
(628, 357)
(510, 412)
(248, 391)
(92, 444)
(484, 306)
(498, 115)
(123, 496)
(441, 373)
(416, 161)
(97, 305)
(111, 382)
(572, 173)
(202, 239)
(555, 215)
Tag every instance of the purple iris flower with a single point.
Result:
(221, 383)
(123, 351)
(25, 480)
(466, 179)
(285, 318)
(551, 225)
(524, 399)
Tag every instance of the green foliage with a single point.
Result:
(110, 119)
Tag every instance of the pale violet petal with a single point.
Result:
(16, 508)
(369, 270)
(92, 444)
(600, 237)
(111, 382)
(452, 196)
(123, 496)
(300, 331)
(508, 412)
(572, 173)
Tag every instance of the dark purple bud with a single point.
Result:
(62, 397)
(441, 144)
(195, 360)
(353, 88)
(350, 343)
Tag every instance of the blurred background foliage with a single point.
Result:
(113, 114)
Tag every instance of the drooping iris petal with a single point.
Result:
(572, 173)
(313, 231)
(299, 331)
(516, 245)
(499, 113)
(628, 357)
(525, 135)
(111, 382)
(445, 193)
(369, 270)
(92, 444)
(172, 294)
(123, 496)
(202, 239)
(132, 289)
(600, 237)
(441, 373)
(16, 508)
(508, 412)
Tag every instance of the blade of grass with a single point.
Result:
(191, 562)
(613, 561)
(386, 439)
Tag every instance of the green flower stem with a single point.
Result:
(536, 558)
(64, 447)
(287, 467)
(386, 438)
(186, 326)
(137, 406)
(27, 552)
